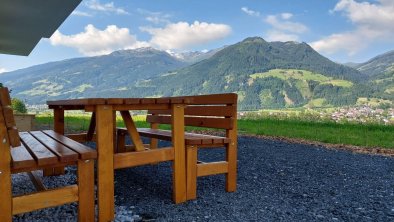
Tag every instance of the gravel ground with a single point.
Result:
(277, 181)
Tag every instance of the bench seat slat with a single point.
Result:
(21, 158)
(220, 123)
(83, 151)
(40, 153)
(190, 138)
(64, 153)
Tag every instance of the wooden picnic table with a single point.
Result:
(104, 121)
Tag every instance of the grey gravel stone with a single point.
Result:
(277, 181)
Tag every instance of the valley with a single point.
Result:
(266, 75)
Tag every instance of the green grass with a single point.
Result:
(368, 135)
(286, 74)
(327, 132)
(316, 102)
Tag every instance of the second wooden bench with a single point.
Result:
(217, 111)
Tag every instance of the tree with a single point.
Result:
(18, 106)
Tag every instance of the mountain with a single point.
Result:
(352, 64)
(265, 74)
(196, 56)
(380, 70)
(380, 64)
(90, 76)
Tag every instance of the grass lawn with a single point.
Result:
(327, 132)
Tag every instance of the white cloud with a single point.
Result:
(155, 17)
(373, 22)
(283, 29)
(280, 22)
(105, 7)
(348, 42)
(2, 70)
(94, 41)
(183, 35)
(80, 13)
(250, 12)
(286, 15)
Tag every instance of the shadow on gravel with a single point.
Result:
(277, 181)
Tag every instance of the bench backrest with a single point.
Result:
(211, 111)
(8, 129)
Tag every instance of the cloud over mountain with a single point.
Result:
(182, 35)
(372, 22)
(94, 41)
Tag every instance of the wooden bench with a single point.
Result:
(36, 150)
(218, 111)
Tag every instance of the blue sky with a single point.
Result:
(342, 30)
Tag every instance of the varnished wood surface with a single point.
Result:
(227, 98)
(46, 148)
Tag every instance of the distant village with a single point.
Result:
(364, 114)
(360, 114)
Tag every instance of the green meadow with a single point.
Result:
(367, 135)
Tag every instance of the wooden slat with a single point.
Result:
(191, 167)
(114, 101)
(154, 143)
(212, 99)
(35, 179)
(45, 199)
(8, 116)
(92, 127)
(219, 123)
(86, 190)
(64, 154)
(147, 101)
(212, 168)
(8, 120)
(132, 101)
(179, 165)
(223, 111)
(21, 158)
(58, 125)
(39, 152)
(120, 141)
(5, 99)
(5, 176)
(131, 159)
(13, 136)
(105, 166)
(162, 100)
(67, 107)
(190, 138)
(83, 151)
(128, 121)
(77, 102)
(140, 107)
(79, 137)
(176, 100)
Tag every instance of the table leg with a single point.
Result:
(179, 164)
(58, 126)
(105, 167)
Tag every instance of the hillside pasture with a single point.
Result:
(286, 74)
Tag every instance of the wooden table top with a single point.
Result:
(227, 98)
(116, 101)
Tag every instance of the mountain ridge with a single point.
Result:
(264, 74)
